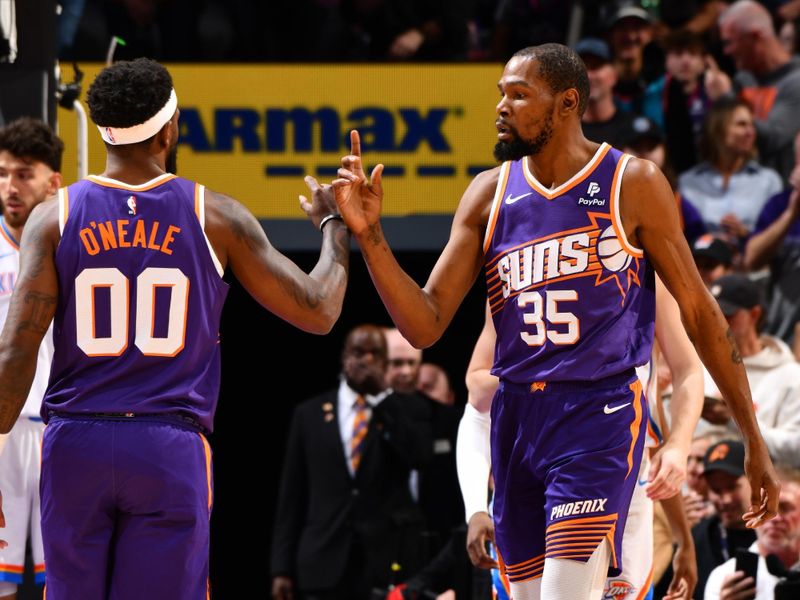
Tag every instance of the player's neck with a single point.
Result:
(15, 232)
(132, 167)
(561, 159)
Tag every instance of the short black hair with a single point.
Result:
(683, 39)
(32, 139)
(128, 93)
(561, 68)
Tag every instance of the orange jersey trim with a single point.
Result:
(497, 202)
(616, 220)
(571, 182)
(636, 388)
(207, 453)
(119, 185)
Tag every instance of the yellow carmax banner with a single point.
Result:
(253, 132)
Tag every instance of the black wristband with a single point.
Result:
(331, 217)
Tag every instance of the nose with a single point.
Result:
(502, 107)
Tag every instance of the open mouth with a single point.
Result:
(503, 130)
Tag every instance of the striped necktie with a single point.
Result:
(360, 423)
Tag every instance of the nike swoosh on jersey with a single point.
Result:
(511, 198)
(610, 411)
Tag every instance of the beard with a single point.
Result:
(518, 148)
(171, 164)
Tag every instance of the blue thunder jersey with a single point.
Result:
(136, 327)
(571, 298)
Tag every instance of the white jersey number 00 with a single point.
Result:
(147, 283)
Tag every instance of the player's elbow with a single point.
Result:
(323, 320)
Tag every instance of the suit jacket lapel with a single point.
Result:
(330, 430)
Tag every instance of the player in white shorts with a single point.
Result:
(658, 480)
(30, 161)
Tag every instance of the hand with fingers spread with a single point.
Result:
(667, 472)
(479, 531)
(716, 81)
(359, 199)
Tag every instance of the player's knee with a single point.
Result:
(8, 590)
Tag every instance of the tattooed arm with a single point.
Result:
(310, 301)
(650, 220)
(33, 305)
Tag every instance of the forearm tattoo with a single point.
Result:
(735, 356)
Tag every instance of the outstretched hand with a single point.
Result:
(359, 199)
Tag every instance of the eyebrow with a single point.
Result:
(520, 82)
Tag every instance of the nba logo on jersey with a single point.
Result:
(132, 205)
(593, 188)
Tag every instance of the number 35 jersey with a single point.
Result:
(136, 328)
(571, 298)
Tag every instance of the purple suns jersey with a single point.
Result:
(136, 328)
(571, 299)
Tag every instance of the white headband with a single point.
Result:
(118, 136)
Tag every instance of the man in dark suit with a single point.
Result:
(345, 514)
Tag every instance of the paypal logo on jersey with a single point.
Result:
(593, 189)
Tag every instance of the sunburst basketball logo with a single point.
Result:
(611, 253)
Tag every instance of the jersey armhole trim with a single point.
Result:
(616, 221)
(63, 208)
(502, 181)
(200, 211)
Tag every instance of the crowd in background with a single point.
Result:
(709, 92)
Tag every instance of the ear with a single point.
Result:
(53, 183)
(570, 100)
(164, 135)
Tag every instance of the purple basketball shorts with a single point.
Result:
(565, 459)
(125, 509)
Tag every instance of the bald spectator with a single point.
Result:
(434, 383)
(404, 361)
(435, 486)
(345, 514)
(768, 78)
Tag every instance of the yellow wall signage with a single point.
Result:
(252, 132)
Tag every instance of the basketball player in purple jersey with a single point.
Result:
(569, 249)
(130, 263)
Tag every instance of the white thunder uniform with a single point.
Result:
(20, 461)
(636, 579)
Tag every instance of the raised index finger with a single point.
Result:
(355, 143)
